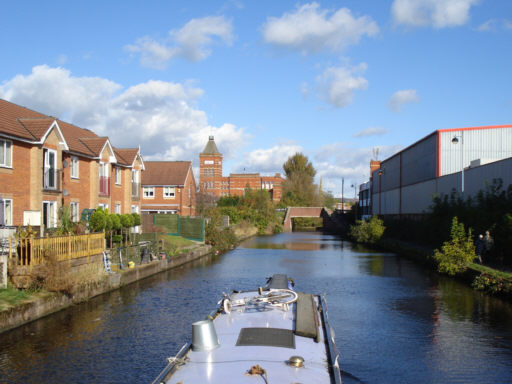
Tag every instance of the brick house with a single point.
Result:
(169, 187)
(46, 163)
(212, 182)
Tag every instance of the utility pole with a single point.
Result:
(342, 190)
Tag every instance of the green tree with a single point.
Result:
(127, 222)
(368, 232)
(136, 219)
(97, 221)
(298, 187)
(458, 252)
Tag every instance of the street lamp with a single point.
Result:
(456, 140)
(356, 202)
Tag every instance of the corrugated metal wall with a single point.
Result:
(417, 198)
(490, 143)
(419, 161)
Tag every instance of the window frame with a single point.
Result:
(167, 195)
(148, 192)
(117, 175)
(6, 162)
(4, 209)
(49, 169)
(75, 213)
(74, 167)
(116, 210)
(51, 214)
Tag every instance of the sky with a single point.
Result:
(342, 82)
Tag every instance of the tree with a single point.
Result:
(458, 252)
(299, 188)
(97, 221)
(127, 222)
(368, 232)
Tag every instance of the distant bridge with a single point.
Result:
(292, 212)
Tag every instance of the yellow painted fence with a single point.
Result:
(32, 251)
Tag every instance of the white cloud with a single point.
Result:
(399, 98)
(310, 29)
(191, 42)
(269, 160)
(372, 131)
(494, 25)
(160, 116)
(436, 13)
(341, 160)
(336, 85)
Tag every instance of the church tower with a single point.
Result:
(210, 169)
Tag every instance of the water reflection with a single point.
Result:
(395, 322)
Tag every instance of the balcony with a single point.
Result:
(104, 186)
(135, 191)
(52, 179)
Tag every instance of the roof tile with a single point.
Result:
(165, 172)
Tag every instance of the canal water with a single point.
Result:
(395, 322)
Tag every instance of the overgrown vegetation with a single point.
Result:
(254, 207)
(490, 210)
(456, 254)
(367, 232)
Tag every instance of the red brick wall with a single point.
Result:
(78, 188)
(15, 182)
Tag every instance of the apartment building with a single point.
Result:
(169, 187)
(46, 163)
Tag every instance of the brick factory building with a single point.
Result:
(212, 182)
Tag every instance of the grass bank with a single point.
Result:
(481, 277)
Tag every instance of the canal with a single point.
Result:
(395, 322)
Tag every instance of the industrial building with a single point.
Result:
(462, 159)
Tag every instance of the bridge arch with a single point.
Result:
(292, 212)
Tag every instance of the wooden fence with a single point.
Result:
(32, 251)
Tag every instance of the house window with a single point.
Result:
(74, 167)
(6, 212)
(118, 208)
(74, 211)
(135, 209)
(104, 180)
(103, 206)
(50, 214)
(148, 192)
(169, 192)
(50, 168)
(5, 153)
(118, 175)
(135, 183)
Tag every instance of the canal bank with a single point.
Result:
(46, 304)
(481, 277)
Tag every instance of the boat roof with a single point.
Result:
(230, 363)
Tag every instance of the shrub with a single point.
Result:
(127, 220)
(136, 219)
(368, 232)
(492, 284)
(97, 220)
(458, 252)
(116, 222)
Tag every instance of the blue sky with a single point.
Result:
(331, 79)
